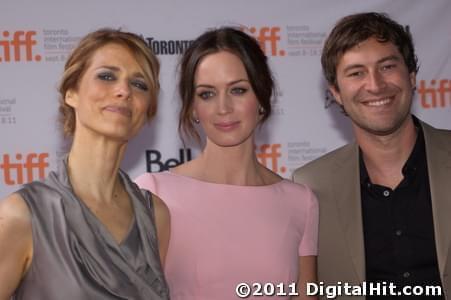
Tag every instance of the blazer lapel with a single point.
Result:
(438, 153)
(347, 193)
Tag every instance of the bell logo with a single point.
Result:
(434, 95)
(268, 155)
(33, 162)
(154, 159)
(268, 38)
(14, 44)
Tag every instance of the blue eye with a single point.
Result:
(140, 85)
(205, 95)
(107, 76)
(238, 90)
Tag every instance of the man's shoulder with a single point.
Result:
(436, 138)
(430, 130)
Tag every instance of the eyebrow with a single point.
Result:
(202, 85)
(391, 57)
(380, 61)
(116, 69)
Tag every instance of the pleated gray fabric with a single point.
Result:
(75, 257)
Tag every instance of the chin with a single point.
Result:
(119, 134)
(230, 141)
(228, 145)
(381, 130)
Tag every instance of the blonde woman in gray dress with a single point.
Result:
(87, 231)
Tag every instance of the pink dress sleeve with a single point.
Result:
(309, 242)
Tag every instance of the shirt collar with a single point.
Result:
(417, 157)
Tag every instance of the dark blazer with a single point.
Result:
(335, 179)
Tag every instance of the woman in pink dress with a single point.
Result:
(237, 229)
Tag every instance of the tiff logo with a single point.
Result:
(14, 44)
(268, 38)
(269, 154)
(432, 96)
(13, 172)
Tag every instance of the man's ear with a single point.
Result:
(334, 91)
(71, 98)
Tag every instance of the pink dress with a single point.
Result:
(222, 234)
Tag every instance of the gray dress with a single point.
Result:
(75, 257)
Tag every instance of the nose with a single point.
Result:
(225, 104)
(123, 89)
(375, 82)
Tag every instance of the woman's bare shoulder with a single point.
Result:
(269, 176)
(16, 245)
(14, 209)
(15, 219)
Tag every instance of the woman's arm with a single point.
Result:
(16, 243)
(307, 273)
(163, 222)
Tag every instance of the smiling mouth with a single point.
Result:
(379, 102)
(120, 110)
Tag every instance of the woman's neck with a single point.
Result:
(93, 165)
(236, 165)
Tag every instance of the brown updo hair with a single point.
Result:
(235, 41)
